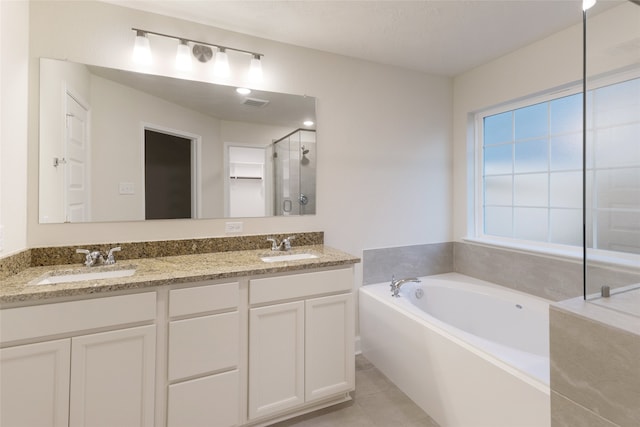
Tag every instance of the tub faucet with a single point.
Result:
(396, 283)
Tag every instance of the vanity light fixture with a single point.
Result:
(255, 69)
(183, 56)
(142, 48)
(221, 65)
(201, 50)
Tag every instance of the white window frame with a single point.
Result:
(476, 233)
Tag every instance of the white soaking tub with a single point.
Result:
(468, 352)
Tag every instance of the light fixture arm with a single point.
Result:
(220, 47)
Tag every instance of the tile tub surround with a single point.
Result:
(595, 365)
(167, 270)
(406, 261)
(544, 276)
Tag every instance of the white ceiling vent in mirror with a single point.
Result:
(255, 102)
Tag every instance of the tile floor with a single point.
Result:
(376, 402)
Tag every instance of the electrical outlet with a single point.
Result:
(127, 188)
(233, 227)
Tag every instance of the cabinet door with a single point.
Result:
(34, 381)
(211, 401)
(276, 358)
(112, 378)
(329, 346)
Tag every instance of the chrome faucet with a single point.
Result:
(274, 243)
(111, 259)
(284, 245)
(397, 283)
(93, 258)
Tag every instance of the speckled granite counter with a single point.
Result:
(160, 271)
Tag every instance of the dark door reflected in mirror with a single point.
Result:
(167, 176)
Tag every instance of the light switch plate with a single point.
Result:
(127, 188)
(233, 227)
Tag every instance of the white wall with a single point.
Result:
(117, 147)
(384, 134)
(14, 63)
(551, 63)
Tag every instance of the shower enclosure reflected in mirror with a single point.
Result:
(294, 171)
(612, 150)
(98, 162)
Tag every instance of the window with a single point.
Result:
(531, 170)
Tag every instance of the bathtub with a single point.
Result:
(468, 352)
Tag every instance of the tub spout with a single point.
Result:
(396, 283)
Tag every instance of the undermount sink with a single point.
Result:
(290, 257)
(53, 279)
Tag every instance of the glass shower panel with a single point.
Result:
(294, 165)
(612, 150)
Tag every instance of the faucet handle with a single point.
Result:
(287, 242)
(111, 259)
(274, 243)
(88, 261)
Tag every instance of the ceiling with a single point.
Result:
(445, 37)
(222, 102)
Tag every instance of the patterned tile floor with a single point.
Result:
(376, 402)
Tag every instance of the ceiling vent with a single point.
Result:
(255, 102)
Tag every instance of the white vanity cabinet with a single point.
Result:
(85, 379)
(204, 356)
(113, 378)
(301, 340)
(34, 384)
(246, 351)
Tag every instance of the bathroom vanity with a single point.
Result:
(217, 339)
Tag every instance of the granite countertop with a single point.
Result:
(160, 271)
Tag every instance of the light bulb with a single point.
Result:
(221, 66)
(255, 69)
(588, 4)
(142, 49)
(183, 56)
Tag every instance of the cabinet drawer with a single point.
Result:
(300, 285)
(65, 317)
(210, 401)
(204, 344)
(202, 299)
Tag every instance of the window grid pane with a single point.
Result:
(532, 170)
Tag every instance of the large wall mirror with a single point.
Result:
(118, 145)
